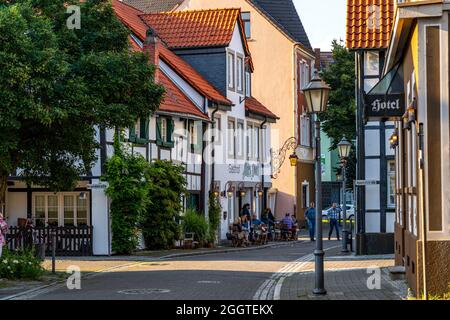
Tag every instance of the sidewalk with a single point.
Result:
(346, 278)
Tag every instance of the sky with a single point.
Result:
(323, 20)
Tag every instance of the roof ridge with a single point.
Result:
(181, 12)
(128, 5)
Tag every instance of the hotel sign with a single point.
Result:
(379, 106)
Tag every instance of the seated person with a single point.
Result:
(287, 221)
(255, 220)
(294, 227)
(245, 226)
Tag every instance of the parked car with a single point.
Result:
(350, 212)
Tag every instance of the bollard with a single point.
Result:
(53, 252)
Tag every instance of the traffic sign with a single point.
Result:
(366, 182)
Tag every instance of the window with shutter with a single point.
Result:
(164, 132)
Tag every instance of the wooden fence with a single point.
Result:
(70, 241)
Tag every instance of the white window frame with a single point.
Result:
(231, 136)
(239, 73)
(248, 84)
(249, 138)
(305, 130)
(163, 123)
(391, 184)
(231, 70)
(371, 58)
(240, 140)
(256, 141)
(60, 200)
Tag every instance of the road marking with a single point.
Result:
(271, 288)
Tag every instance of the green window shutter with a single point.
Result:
(143, 129)
(158, 131)
(170, 129)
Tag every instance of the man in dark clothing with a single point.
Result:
(246, 211)
(310, 216)
(333, 217)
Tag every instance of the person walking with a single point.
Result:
(310, 216)
(333, 217)
(3, 231)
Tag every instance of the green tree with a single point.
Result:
(214, 211)
(128, 191)
(57, 85)
(340, 118)
(166, 187)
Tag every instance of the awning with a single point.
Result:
(386, 101)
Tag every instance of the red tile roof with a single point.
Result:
(199, 28)
(369, 23)
(254, 106)
(129, 16)
(175, 100)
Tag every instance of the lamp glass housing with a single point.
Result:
(344, 148)
(316, 93)
(293, 160)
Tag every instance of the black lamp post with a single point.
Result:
(344, 148)
(316, 94)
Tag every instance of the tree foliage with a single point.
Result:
(128, 191)
(339, 120)
(166, 187)
(57, 85)
(214, 211)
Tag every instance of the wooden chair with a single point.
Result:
(286, 233)
(235, 237)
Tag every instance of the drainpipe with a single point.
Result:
(213, 153)
(424, 218)
(264, 202)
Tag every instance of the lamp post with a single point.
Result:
(344, 148)
(316, 94)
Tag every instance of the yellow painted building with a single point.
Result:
(283, 60)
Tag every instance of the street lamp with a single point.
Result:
(344, 148)
(316, 94)
(293, 158)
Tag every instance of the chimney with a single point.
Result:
(151, 47)
(317, 61)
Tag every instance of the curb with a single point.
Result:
(229, 250)
(56, 284)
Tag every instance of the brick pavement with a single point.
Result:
(345, 279)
